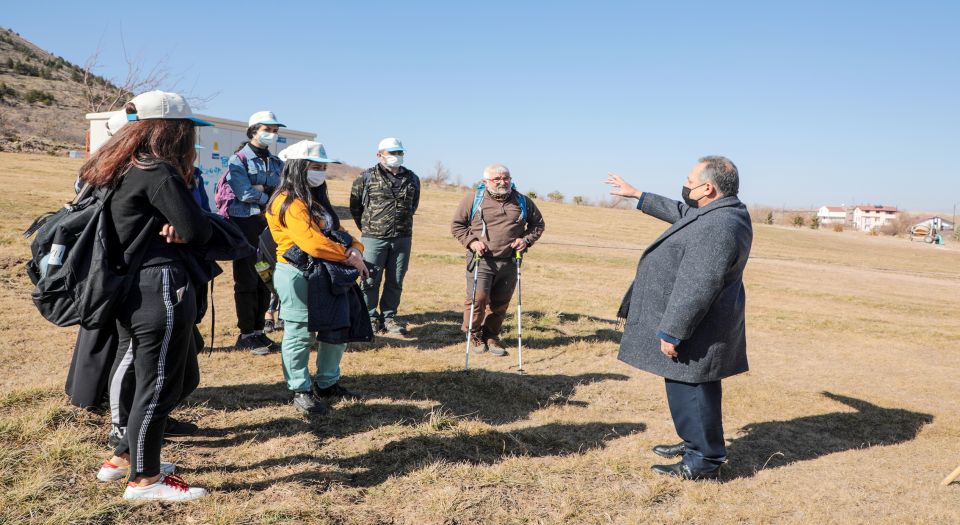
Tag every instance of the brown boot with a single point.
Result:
(477, 342)
(496, 346)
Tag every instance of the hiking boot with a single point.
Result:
(308, 404)
(168, 488)
(376, 324)
(177, 428)
(110, 472)
(252, 343)
(496, 347)
(336, 391)
(477, 342)
(394, 327)
(268, 326)
(272, 346)
(116, 435)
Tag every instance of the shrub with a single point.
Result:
(555, 196)
(7, 92)
(798, 221)
(838, 227)
(814, 223)
(532, 194)
(578, 200)
(769, 219)
(36, 95)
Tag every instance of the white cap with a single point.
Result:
(164, 106)
(264, 117)
(116, 122)
(309, 150)
(390, 144)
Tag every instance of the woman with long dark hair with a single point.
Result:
(300, 213)
(149, 167)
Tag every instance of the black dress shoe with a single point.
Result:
(670, 451)
(682, 470)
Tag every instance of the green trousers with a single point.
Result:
(291, 287)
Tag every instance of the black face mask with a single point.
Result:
(686, 196)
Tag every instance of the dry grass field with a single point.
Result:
(848, 415)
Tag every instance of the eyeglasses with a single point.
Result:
(500, 179)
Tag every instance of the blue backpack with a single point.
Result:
(481, 192)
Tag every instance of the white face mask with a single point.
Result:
(393, 161)
(266, 139)
(316, 177)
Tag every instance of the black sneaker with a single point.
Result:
(272, 346)
(179, 428)
(336, 391)
(376, 324)
(116, 435)
(251, 343)
(268, 326)
(394, 327)
(307, 404)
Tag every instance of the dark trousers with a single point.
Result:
(695, 408)
(156, 325)
(392, 258)
(123, 382)
(496, 281)
(250, 293)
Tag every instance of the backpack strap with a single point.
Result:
(365, 196)
(478, 199)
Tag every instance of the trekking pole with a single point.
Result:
(519, 316)
(473, 305)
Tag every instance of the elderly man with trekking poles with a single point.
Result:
(497, 224)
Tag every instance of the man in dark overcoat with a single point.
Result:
(685, 311)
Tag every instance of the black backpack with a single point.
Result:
(75, 281)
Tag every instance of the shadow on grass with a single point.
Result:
(777, 443)
(433, 330)
(406, 455)
(494, 397)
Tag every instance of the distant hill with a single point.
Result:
(42, 98)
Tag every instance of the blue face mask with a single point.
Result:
(266, 139)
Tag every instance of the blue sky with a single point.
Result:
(816, 102)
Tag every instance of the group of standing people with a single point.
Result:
(684, 313)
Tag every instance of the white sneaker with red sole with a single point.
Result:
(169, 488)
(110, 472)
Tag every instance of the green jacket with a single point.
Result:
(380, 210)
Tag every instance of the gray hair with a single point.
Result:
(722, 173)
(494, 170)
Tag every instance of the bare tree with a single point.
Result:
(101, 94)
(440, 175)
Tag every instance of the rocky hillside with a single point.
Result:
(42, 98)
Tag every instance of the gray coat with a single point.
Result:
(689, 285)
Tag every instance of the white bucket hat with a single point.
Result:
(161, 105)
(309, 150)
(264, 117)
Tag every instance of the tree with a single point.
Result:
(578, 200)
(769, 219)
(532, 194)
(798, 221)
(101, 94)
(814, 223)
(555, 196)
(440, 175)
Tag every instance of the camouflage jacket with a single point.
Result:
(380, 210)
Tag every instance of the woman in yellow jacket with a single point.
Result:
(298, 213)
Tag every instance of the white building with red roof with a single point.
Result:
(832, 215)
(870, 217)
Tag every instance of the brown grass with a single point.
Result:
(849, 414)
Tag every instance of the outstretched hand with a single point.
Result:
(621, 188)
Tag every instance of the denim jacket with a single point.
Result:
(250, 202)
